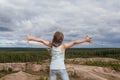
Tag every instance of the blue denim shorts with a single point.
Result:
(60, 72)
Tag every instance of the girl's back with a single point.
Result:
(57, 61)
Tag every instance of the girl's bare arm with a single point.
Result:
(68, 45)
(30, 38)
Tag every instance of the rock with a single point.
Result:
(13, 66)
(83, 60)
(20, 76)
(81, 72)
(92, 72)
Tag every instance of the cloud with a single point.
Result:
(76, 19)
(5, 29)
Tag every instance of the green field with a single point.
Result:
(39, 54)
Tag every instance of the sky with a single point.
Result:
(100, 19)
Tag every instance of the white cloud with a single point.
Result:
(76, 19)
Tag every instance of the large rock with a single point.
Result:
(81, 72)
(13, 66)
(23, 66)
(92, 72)
(83, 60)
(20, 76)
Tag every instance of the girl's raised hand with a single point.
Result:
(29, 38)
(88, 39)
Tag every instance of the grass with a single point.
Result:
(114, 65)
(43, 78)
(5, 72)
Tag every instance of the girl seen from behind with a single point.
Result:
(57, 66)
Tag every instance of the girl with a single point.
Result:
(57, 66)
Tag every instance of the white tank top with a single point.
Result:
(57, 61)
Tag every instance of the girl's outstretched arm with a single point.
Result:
(30, 38)
(68, 45)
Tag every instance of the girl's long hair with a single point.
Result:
(57, 39)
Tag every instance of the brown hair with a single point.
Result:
(57, 39)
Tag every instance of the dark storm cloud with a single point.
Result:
(4, 29)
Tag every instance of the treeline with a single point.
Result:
(23, 55)
(94, 52)
(37, 54)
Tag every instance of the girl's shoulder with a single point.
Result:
(63, 47)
